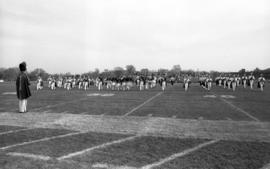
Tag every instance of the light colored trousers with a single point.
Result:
(22, 105)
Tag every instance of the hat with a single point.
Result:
(22, 66)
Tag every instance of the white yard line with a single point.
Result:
(177, 155)
(40, 140)
(240, 110)
(33, 156)
(147, 101)
(15, 131)
(110, 166)
(96, 147)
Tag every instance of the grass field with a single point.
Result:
(171, 129)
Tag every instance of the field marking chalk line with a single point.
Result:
(181, 154)
(27, 155)
(15, 131)
(147, 101)
(239, 109)
(97, 147)
(40, 140)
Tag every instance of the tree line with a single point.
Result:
(10, 74)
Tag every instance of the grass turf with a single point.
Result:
(29, 135)
(138, 152)
(4, 128)
(225, 155)
(174, 102)
(66, 145)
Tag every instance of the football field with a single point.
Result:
(149, 129)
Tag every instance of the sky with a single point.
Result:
(78, 36)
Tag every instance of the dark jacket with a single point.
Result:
(22, 86)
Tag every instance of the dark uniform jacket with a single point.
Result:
(22, 86)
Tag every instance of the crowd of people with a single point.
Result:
(229, 81)
(122, 83)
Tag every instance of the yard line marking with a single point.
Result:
(181, 154)
(14, 131)
(9, 93)
(97, 147)
(108, 166)
(40, 140)
(27, 155)
(238, 108)
(241, 110)
(147, 101)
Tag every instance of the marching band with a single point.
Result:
(228, 81)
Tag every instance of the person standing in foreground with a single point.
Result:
(22, 88)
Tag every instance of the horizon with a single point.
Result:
(68, 36)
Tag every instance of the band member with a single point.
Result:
(187, 82)
(22, 88)
(69, 83)
(261, 81)
(218, 80)
(80, 83)
(225, 82)
(153, 82)
(163, 84)
(251, 79)
(209, 82)
(172, 80)
(234, 82)
(244, 80)
(49, 81)
(141, 84)
(39, 83)
(238, 79)
(85, 83)
(53, 84)
(99, 81)
(147, 82)
(229, 82)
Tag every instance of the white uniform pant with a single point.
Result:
(261, 85)
(209, 86)
(233, 86)
(251, 84)
(141, 86)
(99, 85)
(163, 85)
(22, 105)
(186, 86)
(245, 83)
